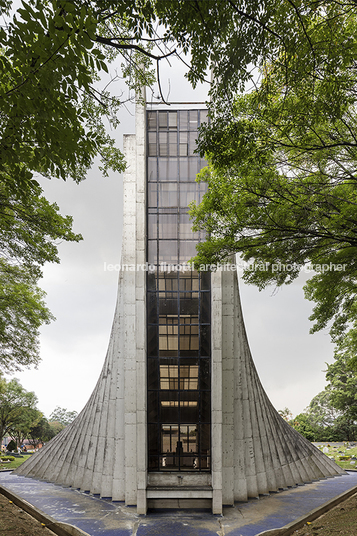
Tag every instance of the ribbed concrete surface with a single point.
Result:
(98, 517)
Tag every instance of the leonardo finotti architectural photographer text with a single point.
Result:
(227, 267)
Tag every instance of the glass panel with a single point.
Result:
(173, 138)
(193, 120)
(168, 169)
(168, 281)
(205, 280)
(163, 149)
(189, 374)
(152, 307)
(168, 194)
(172, 149)
(205, 410)
(205, 341)
(152, 169)
(172, 169)
(169, 439)
(153, 407)
(192, 145)
(153, 434)
(151, 281)
(188, 333)
(189, 408)
(183, 162)
(186, 227)
(153, 373)
(183, 137)
(162, 120)
(152, 138)
(172, 119)
(183, 149)
(169, 374)
(169, 407)
(168, 251)
(152, 149)
(189, 281)
(152, 251)
(188, 304)
(205, 307)
(152, 341)
(183, 120)
(152, 194)
(153, 463)
(152, 120)
(203, 116)
(205, 376)
(167, 305)
(187, 250)
(168, 334)
(193, 168)
(152, 225)
(188, 193)
(168, 226)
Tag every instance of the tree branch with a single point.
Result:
(111, 42)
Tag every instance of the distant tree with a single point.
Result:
(342, 380)
(41, 432)
(302, 425)
(56, 427)
(63, 416)
(15, 405)
(320, 411)
(20, 430)
(286, 414)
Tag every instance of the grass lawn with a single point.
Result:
(15, 463)
(346, 452)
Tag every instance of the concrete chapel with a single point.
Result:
(178, 417)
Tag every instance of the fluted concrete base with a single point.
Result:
(258, 453)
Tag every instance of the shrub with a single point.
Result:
(12, 446)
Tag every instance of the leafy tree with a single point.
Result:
(320, 411)
(53, 116)
(63, 416)
(286, 414)
(343, 388)
(302, 425)
(282, 183)
(15, 405)
(21, 429)
(41, 432)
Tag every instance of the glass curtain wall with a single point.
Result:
(178, 298)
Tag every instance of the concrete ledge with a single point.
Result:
(61, 529)
(179, 493)
(314, 514)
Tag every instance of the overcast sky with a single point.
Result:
(82, 295)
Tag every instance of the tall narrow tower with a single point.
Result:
(178, 417)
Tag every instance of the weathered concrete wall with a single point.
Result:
(104, 450)
(261, 452)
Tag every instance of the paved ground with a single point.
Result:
(99, 517)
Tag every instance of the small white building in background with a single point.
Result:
(178, 417)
